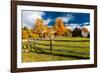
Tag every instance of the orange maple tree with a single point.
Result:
(59, 26)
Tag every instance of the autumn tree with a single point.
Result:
(39, 27)
(25, 28)
(59, 26)
(84, 29)
(85, 32)
(25, 34)
(68, 32)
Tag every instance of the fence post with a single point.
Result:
(51, 45)
(34, 45)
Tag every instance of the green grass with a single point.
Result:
(70, 38)
(46, 55)
(35, 57)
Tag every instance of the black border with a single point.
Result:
(14, 35)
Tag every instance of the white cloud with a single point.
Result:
(86, 23)
(32, 17)
(75, 25)
(29, 17)
(24, 25)
(67, 17)
(47, 21)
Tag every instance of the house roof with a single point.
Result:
(87, 27)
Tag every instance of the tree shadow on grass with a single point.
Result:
(40, 51)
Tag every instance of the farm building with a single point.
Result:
(50, 33)
(76, 32)
(86, 31)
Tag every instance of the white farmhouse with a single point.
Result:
(85, 31)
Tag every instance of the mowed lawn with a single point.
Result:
(61, 50)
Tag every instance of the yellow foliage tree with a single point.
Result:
(68, 32)
(84, 29)
(39, 27)
(59, 26)
(25, 34)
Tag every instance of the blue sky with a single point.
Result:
(69, 18)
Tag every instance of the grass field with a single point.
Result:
(60, 50)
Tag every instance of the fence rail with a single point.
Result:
(68, 46)
(61, 50)
(51, 44)
(60, 40)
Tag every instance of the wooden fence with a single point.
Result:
(61, 50)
